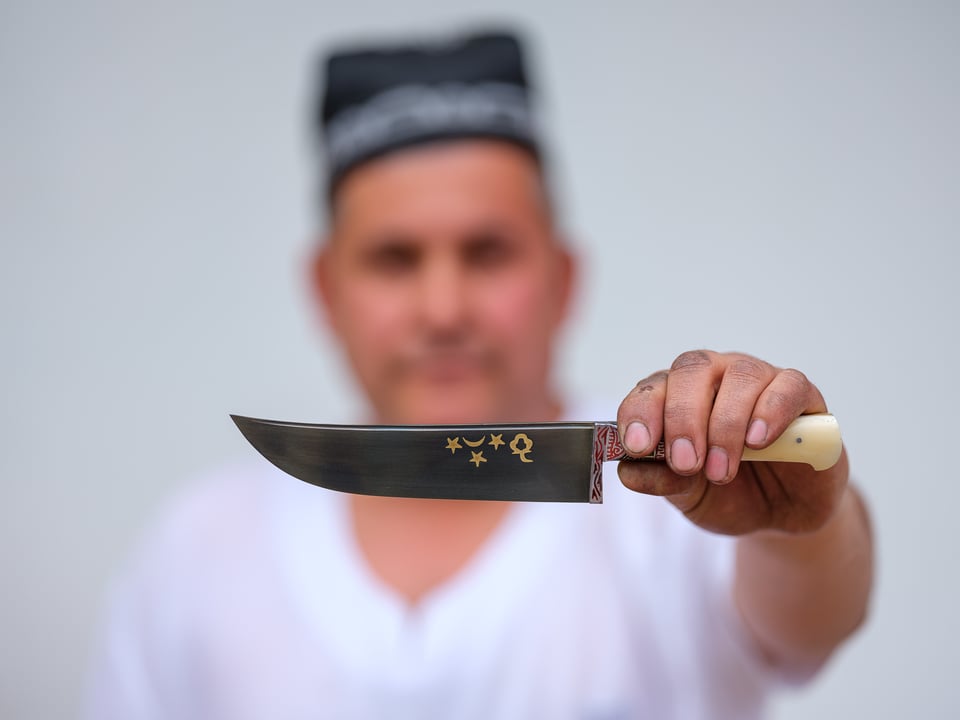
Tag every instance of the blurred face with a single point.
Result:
(445, 284)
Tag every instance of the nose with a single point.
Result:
(443, 293)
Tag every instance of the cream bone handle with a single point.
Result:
(811, 439)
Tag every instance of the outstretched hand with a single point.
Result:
(707, 407)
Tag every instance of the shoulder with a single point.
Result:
(215, 505)
(213, 523)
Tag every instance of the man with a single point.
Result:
(444, 278)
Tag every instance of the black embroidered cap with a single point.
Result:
(377, 100)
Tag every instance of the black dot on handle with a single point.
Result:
(799, 440)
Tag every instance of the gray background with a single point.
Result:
(775, 177)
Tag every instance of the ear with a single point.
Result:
(323, 282)
(566, 276)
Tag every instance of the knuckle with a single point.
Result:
(788, 392)
(778, 399)
(724, 425)
(796, 387)
(747, 370)
(796, 379)
(691, 360)
(650, 384)
(677, 414)
(642, 397)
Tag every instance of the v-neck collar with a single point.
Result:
(366, 623)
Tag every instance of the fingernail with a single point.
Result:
(683, 457)
(757, 432)
(637, 437)
(717, 465)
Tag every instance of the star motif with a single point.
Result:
(453, 444)
(477, 458)
(497, 441)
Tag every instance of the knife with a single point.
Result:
(558, 462)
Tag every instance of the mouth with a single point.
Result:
(449, 367)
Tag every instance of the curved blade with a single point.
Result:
(545, 462)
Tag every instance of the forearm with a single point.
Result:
(801, 595)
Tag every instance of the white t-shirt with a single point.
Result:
(251, 601)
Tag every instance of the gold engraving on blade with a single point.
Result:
(522, 451)
(521, 445)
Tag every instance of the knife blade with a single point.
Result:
(557, 462)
